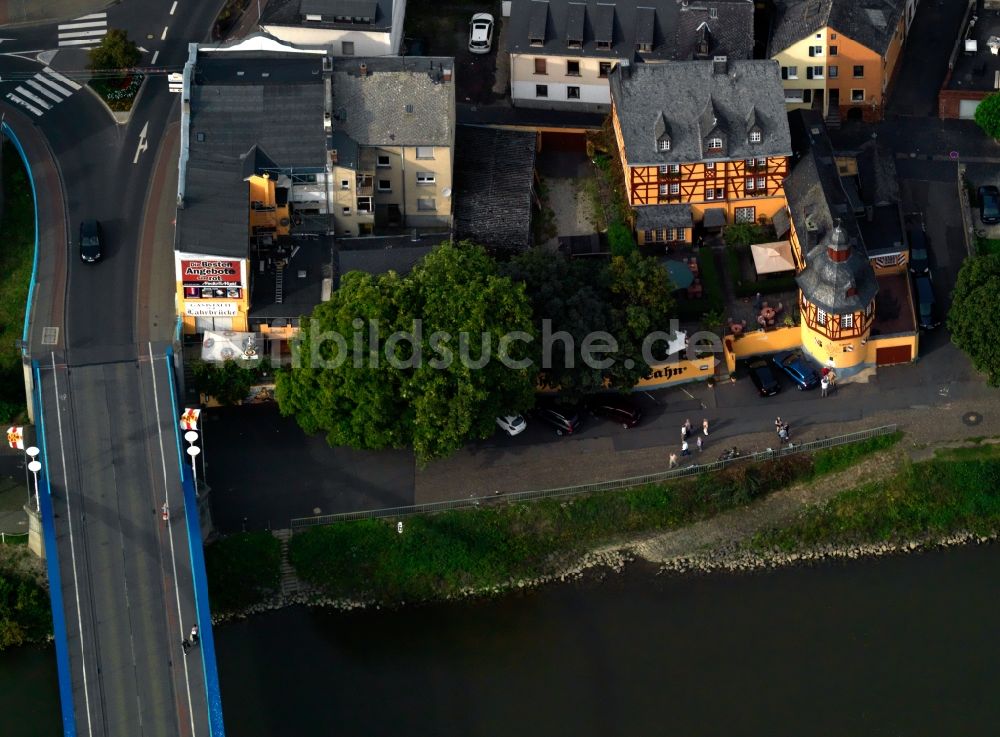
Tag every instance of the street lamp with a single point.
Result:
(193, 450)
(34, 466)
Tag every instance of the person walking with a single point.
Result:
(824, 386)
(673, 461)
(704, 427)
(194, 635)
(783, 433)
(777, 424)
(699, 444)
(832, 376)
(685, 451)
(684, 433)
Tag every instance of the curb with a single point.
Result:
(122, 118)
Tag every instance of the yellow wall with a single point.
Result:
(845, 352)
(797, 55)
(665, 374)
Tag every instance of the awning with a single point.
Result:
(772, 258)
(219, 347)
(714, 218)
(782, 223)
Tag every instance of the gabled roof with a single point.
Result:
(652, 217)
(395, 100)
(671, 27)
(696, 101)
(293, 13)
(871, 23)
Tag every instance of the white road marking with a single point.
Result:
(163, 36)
(173, 7)
(52, 83)
(45, 91)
(19, 101)
(92, 15)
(65, 80)
(72, 544)
(76, 42)
(83, 30)
(143, 144)
(83, 34)
(155, 55)
(88, 24)
(170, 528)
(34, 98)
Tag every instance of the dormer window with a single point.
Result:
(573, 43)
(664, 144)
(536, 42)
(755, 136)
(313, 18)
(714, 144)
(604, 46)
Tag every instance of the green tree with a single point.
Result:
(230, 382)
(620, 240)
(988, 115)
(366, 392)
(975, 311)
(115, 51)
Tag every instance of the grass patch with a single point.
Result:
(841, 457)
(442, 554)
(17, 248)
(956, 491)
(243, 569)
(987, 246)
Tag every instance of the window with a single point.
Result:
(749, 163)
(720, 193)
(833, 36)
(660, 235)
(815, 51)
(714, 144)
(313, 17)
(425, 152)
(573, 68)
(664, 144)
(604, 46)
(793, 72)
(539, 66)
(710, 193)
(347, 48)
(536, 41)
(425, 177)
(762, 183)
(859, 71)
(710, 165)
(644, 47)
(541, 90)
(663, 189)
(833, 51)
(574, 43)
(821, 316)
(664, 169)
(669, 234)
(675, 188)
(755, 136)
(384, 185)
(572, 93)
(762, 161)
(832, 71)
(713, 12)
(814, 72)
(749, 183)
(426, 204)
(647, 236)
(604, 69)
(807, 95)
(847, 321)
(345, 211)
(745, 214)
(382, 161)
(857, 95)
(345, 184)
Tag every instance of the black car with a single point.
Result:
(91, 243)
(919, 261)
(763, 378)
(798, 369)
(615, 407)
(989, 204)
(565, 418)
(925, 300)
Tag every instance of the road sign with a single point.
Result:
(953, 155)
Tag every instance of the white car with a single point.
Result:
(481, 33)
(512, 424)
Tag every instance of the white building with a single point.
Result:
(344, 27)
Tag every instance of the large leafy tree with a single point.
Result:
(115, 51)
(396, 376)
(975, 312)
(988, 115)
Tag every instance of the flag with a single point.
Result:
(15, 437)
(189, 420)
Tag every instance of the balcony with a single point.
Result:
(365, 185)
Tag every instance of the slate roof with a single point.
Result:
(216, 212)
(494, 174)
(877, 175)
(300, 295)
(397, 255)
(293, 12)
(651, 217)
(821, 213)
(694, 100)
(398, 101)
(671, 26)
(871, 23)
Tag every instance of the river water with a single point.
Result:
(895, 646)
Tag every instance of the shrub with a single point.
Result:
(742, 235)
(620, 240)
(712, 284)
(988, 115)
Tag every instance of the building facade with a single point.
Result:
(343, 27)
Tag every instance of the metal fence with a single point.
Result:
(298, 523)
(17, 538)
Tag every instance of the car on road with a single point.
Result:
(91, 241)
(763, 378)
(481, 33)
(989, 204)
(564, 417)
(615, 407)
(919, 260)
(798, 368)
(512, 424)
(925, 302)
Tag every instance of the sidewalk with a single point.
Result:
(13, 12)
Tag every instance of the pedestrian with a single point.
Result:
(673, 461)
(684, 448)
(783, 434)
(777, 424)
(704, 427)
(186, 644)
(832, 376)
(194, 635)
(824, 386)
(699, 444)
(684, 433)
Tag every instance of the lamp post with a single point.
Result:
(34, 466)
(193, 450)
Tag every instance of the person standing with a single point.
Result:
(824, 386)
(673, 461)
(194, 635)
(704, 427)
(699, 444)
(688, 426)
(777, 424)
(685, 451)
(832, 376)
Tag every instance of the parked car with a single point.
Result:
(565, 418)
(512, 424)
(91, 242)
(925, 301)
(798, 368)
(763, 378)
(989, 204)
(919, 260)
(615, 407)
(481, 33)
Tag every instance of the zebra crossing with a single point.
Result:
(41, 92)
(84, 32)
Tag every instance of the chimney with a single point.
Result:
(445, 74)
(363, 69)
(720, 65)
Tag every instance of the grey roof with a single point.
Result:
(256, 161)
(347, 149)
(313, 259)
(821, 214)
(694, 100)
(871, 23)
(672, 27)
(293, 12)
(882, 230)
(877, 174)
(397, 255)
(396, 101)
(215, 217)
(651, 217)
(494, 173)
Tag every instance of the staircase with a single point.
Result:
(279, 283)
(290, 584)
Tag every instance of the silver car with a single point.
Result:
(512, 424)
(481, 33)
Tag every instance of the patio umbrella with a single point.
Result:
(680, 274)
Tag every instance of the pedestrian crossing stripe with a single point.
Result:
(43, 91)
(83, 32)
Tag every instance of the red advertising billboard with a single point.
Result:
(210, 272)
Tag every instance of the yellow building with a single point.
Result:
(839, 56)
(700, 142)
